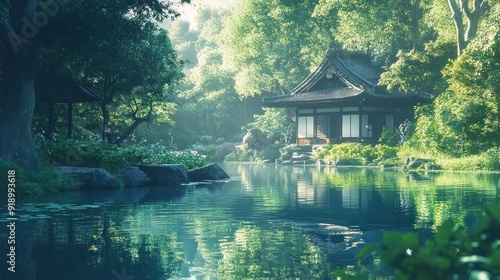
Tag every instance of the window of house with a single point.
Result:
(350, 126)
(389, 122)
(305, 127)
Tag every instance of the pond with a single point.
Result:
(266, 222)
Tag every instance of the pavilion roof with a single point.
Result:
(78, 92)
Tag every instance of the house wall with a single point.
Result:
(330, 125)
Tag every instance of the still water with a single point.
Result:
(266, 222)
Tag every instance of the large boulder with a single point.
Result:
(134, 177)
(209, 172)
(255, 139)
(166, 173)
(90, 178)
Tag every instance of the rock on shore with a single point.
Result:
(162, 173)
(90, 178)
(211, 172)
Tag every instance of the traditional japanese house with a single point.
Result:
(341, 101)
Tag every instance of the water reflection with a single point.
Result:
(268, 222)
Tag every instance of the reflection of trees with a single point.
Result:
(252, 229)
(270, 254)
(434, 197)
(99, 247)
(271, 186)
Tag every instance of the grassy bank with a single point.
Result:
(383, 155)
(110, 157)
(35, 182)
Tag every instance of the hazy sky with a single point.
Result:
(188, 12)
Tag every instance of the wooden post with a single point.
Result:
(51, 127)
(70, 119)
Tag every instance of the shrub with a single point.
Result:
(208, 152)
(391, 162)
(388, 137)
(487, 161)
(287, 151)
(111, 157)
(348, 151)
(455, 252)
(240, 153)
(270, 152)
(382, 152)
(35, 182)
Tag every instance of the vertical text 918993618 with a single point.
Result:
(11, 220)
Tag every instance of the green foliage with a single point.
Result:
(243, 153)
(208, 103)
(379, 28)
(120, 53)
(419, 70)
(347, 151)
(388, 137)
(464, 120)
(111, 157)
(272, 44)
(240, 153)
(455, 252)
(276, 124)
(487, 161)
(382, 151)
(270, 152)
(359, 154)
(455, 125)
(288, 151)
(32, 182)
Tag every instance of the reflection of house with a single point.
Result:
(341, 101)
(356, 198)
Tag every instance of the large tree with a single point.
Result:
(472, 15)
(379, 28)
(273, 44)
(18, 100)
(19, 36)
(209, 107)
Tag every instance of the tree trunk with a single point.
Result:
(498, 120)
(51, 128)
(456, 15)
(473, 17)
(106, 131)
(129, 130)
(18, 104)
(416, 15)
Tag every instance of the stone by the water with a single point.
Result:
(134, 177)
(211, 172)
(166, 173)
(90, 178)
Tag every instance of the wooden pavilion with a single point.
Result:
(75, 93)
(341, 101)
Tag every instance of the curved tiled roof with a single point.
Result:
(75, 93)
(323, 95)
(355, 72)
